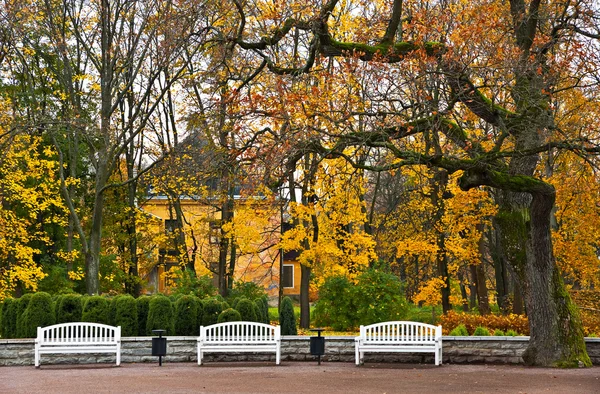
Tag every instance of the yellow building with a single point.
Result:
(256, 226)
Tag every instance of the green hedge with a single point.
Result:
(247, 310)
(39, 313)
(287, 317)
(68, 308)
(186, 315)
(143, 304)
(22, 303)
(212, 308)
(160, 315)
(96, 310)
(228, 315)
(9, 318)
(126, 315)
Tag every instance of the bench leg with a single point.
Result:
(278, 356)
(37, 358)
(118, 357)
(356, 355)
(199, 355)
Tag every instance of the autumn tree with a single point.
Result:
(498, 64)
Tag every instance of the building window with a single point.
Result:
(288, 276)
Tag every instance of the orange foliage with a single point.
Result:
(451, 320)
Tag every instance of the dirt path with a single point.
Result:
(296, 377)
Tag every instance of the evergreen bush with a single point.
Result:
(259, 310)
(112, 309)
(9, 318)
(246, 309)
(126, 315)
(287, 317)
(498, 333)
(460, 331)
(39, 313)
(481, 332)
(212, 308)
(22, 303)
(160, 315)
(95, 310)
(228, 315)
(511, 333)
(143, 304)
(186, 315)
(68, 308)
(265, 309)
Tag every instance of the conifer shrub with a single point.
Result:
(287, 317)
(246, 309)
(511, 333)
(228, 315)
(112, 309)
(460, 331)
(22, 303)
(498, 333)
(258, 309)
(126, 315)
(481, 332)
(9, 318)
(265, 308)
(68, 308)
(39, 313)
(186, 315)
(95, 310)
(200, 311)
(143, 304)
(212, 308)
(160, 315)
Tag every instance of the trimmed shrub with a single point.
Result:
(229, 314)
(22, 304)
(481, 332)
(511, 333)
(287, 318)
(246, 309)
(265, 309)
(200, 312)
(9, 318)
(68, 308)
(498, 333)
(249, 290)
(335, 305)
(126, 315)
(211, 311)
(460, 331)
(112, 309)
(95, 310)
(258, 309)
(39, 313)
(186, 315)
(143, 304)
(160, 315)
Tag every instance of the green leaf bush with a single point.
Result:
(212, 308)
(481, 332)
(9, 319)
(143, 305)
(22, 303)
(460, 331)
(247, 310)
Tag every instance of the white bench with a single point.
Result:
(78, 338)
(240, 336)
(399, 336)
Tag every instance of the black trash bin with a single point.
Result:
(317, 344)
(159, 345)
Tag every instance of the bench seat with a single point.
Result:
(241, 336)
(80, 337)
(399, 337)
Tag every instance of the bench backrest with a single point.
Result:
(240, 332)
(78, 334)
(400, 332)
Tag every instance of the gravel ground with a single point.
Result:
(296, 377)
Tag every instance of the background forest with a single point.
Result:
(452, 145)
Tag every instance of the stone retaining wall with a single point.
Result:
(503, 350)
